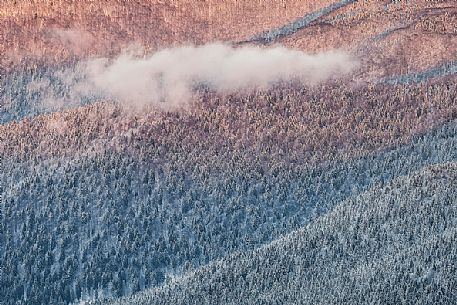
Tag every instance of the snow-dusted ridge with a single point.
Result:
(299, 24)
(382, 245)
(447, 69)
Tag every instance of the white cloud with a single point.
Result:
(169, 78)
(171, 74)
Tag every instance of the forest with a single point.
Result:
(329, 182)
(101, 202)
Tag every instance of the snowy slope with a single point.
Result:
(389, 245)
(111, 225)
(340, 193)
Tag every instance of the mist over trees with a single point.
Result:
(219, 152)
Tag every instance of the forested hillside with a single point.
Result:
(116, 213)
(284, 152)
(389, 245)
